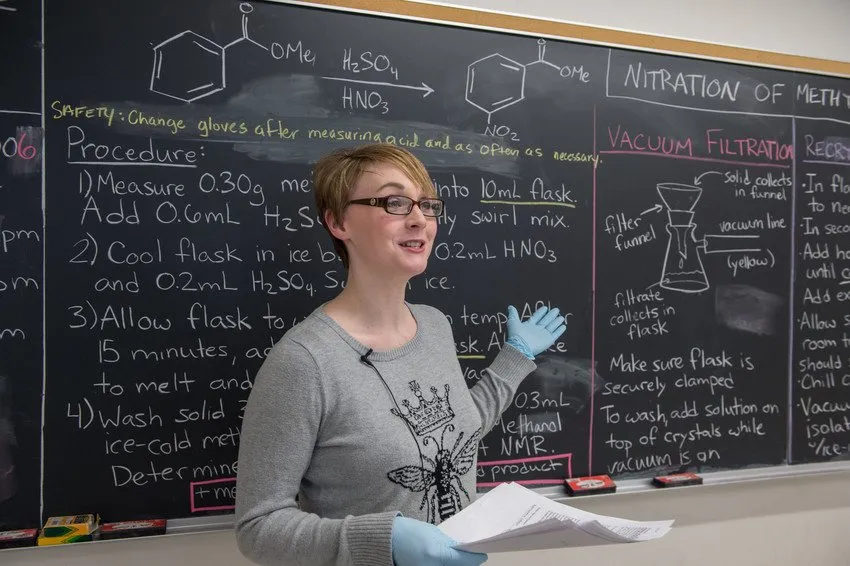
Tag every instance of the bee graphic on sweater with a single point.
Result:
(442, 467)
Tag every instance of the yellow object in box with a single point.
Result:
(69, 528)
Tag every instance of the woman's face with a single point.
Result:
(390, 245)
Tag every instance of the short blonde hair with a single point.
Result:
(336, 174)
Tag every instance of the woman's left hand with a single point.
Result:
(537, 333)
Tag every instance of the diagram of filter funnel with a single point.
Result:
(679, 197)
(683, 270)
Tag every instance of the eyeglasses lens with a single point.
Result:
(403, 205)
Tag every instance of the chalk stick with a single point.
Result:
(590, 485)
(677, 480)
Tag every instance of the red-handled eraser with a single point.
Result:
(677, 480)
(129, 529)
(590, 485)
(21, 537)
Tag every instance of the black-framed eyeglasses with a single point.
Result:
(400, 204)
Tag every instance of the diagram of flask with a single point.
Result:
(683, 269)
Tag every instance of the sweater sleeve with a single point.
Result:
(281, 425)
(499, 381)
(498, 384)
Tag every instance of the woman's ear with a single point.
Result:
(336, 229)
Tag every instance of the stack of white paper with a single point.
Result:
(511, 517)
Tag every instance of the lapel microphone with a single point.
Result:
(365, 358)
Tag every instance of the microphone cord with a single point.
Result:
(364, 359)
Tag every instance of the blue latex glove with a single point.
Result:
(416, 543)
(537, 333)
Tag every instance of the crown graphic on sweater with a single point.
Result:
(427, 415)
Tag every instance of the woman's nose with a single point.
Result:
(415, 218)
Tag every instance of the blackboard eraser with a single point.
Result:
(677, 480)
(590, 485)
(18, 538)
(130, 529)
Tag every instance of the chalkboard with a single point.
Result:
(690, 216)
(821, 324)
(21, 281)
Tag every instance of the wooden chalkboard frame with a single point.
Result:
(473, 18)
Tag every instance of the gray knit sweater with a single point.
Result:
(359, 443)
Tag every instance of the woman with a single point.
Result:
(361, 410)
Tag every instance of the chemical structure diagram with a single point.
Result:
(188, 66)
(495, 82)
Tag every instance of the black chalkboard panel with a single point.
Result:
(689, 216)
(821, 366)
(21, 283)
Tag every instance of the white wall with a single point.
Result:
(781, 522)
(812, 28)
(772, 523)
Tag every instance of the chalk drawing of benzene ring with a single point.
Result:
(495, 82)
(188, 66)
